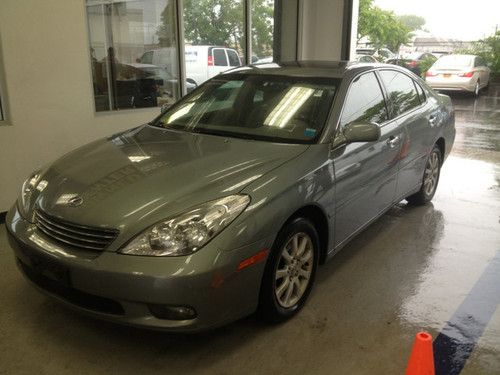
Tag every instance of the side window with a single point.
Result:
(365, 101)
(420, 92)
(401, 90)
(219, 57)
(234, 60)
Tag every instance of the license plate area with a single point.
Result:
(41, 267)
(447, 75)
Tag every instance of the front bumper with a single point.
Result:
(122, 288)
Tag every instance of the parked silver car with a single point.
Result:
(459, 73)
(226, 203)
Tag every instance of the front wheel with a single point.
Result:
(430, 179)
(290, 271)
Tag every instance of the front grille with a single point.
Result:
(76, 235)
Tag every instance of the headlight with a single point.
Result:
(190, 231)
(25, 199)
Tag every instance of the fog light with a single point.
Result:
(172, 312)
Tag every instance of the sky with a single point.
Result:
(457, 19)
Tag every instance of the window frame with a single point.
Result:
(4, 107)
(390, 101)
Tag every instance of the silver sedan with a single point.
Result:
(228, 201)
(467, 73)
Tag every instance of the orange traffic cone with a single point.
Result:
(422, 358)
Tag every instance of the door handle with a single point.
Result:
(393, 141)
(432, 120)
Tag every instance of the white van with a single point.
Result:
(202, 62)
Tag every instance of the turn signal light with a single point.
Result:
(261, 255)
(468, 74)
(210, 61)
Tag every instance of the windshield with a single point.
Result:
(261, 107)
(453, 62)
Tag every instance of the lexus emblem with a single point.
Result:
(75, 201)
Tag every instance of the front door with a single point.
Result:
(365, 173)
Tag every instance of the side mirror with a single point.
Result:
(357, 132)
(191, 81)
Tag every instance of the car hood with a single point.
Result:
(136, 178)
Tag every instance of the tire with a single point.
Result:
(477, 89)
(283, 295)
(430, 179)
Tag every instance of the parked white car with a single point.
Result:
(459, 73)
(202, 62)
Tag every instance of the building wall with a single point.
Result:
(49, 86)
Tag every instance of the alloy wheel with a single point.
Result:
(293, 273)
(431, 174)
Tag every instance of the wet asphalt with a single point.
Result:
(433, 268)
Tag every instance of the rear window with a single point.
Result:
(453, 62)
(219, 57)
(421, 93)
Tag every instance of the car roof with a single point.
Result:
(326, 69)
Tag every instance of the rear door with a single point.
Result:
(365, 173)
(416, 115)
(233, 58)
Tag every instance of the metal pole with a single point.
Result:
(248, 31)
(180, 46)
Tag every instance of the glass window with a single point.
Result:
(365, 101)
(401, 90)
(209, 24)
(234, 60)
(453, 62)
(219, 57)
(272, 108)
(134, 56)
(262, 31)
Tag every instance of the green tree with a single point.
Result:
(262, 27)
(412, 21)
(489, 50)
(220, 22)
(382, 27)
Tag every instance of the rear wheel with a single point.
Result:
(290, 271)
(476, 89)
(430, 179)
